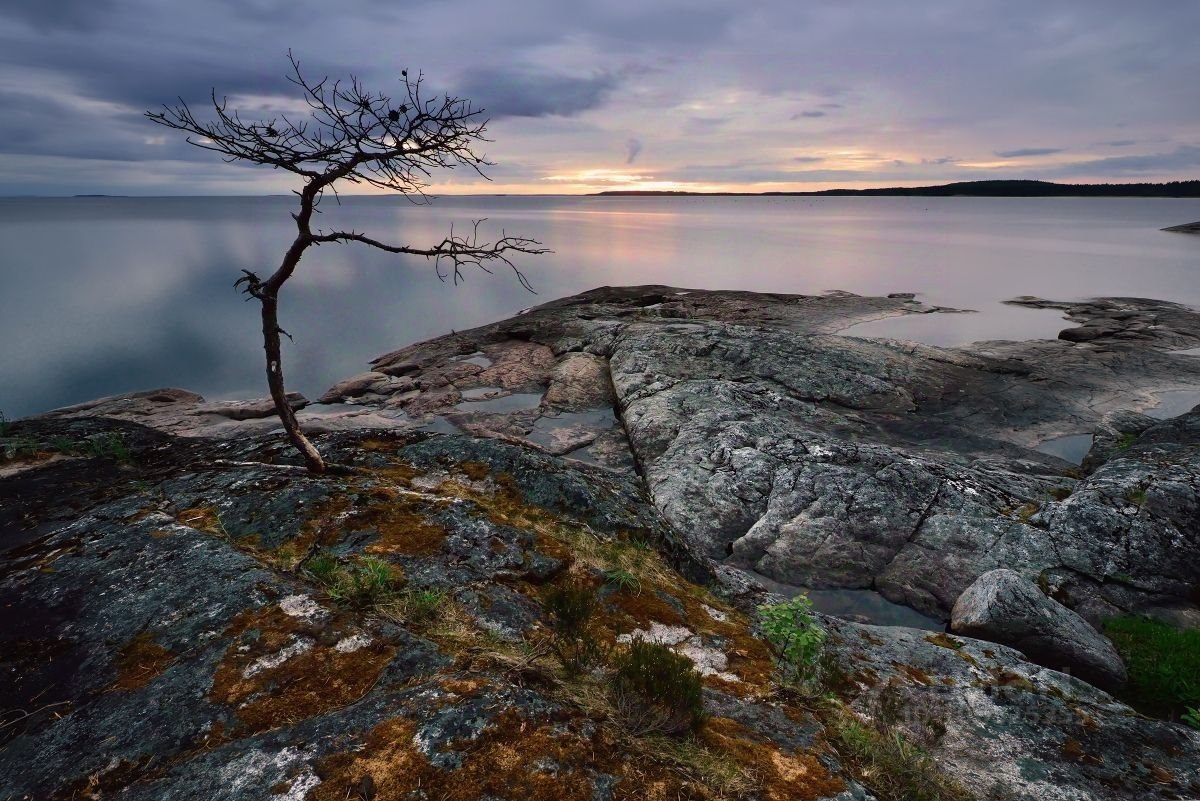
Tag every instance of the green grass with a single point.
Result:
(1163, 664)
(365, 583)
(105, 445)
(892, 766)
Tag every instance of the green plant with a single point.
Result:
(423, 605)
(19, 447)
(798, 638)
(1163, 663)
(1191, 717)
(892, 766)
(656, 691)
(107, 445)
(1125, 441)
(368, 582)
(1136, 497)
(623, 580)
(571, 608)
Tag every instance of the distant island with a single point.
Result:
(971, 188)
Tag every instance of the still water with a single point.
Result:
(106, 295)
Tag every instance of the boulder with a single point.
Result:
(1003, 606)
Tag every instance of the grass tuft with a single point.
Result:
(1163, 664)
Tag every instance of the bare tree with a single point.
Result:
(351, 135)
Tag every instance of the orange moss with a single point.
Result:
(513, 758)
(915, 673)
(793, 776)
(310, 682)
(944, 640)
(201, 518)
(140, 661)
(646, 607)
(476, 471)
(402, 526)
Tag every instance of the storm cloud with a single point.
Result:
(879, 86)
(1028, 151)
(530, 92)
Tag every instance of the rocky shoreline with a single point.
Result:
(169, 643)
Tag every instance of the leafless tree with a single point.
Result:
(350, 135)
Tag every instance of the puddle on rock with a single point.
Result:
(556, 432)
(1173, 403)
(864, 606)
(477, 401)
(996, 321)
(440, 425)
(476, 358)
(1071, 448)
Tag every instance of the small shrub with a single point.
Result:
(571, 609)
(1125, 441)
(657, 691)
(1191, 717)
(798, 638)
(1163, 663)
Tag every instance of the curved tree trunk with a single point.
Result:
(271, 344)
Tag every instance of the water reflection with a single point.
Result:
(105, 295)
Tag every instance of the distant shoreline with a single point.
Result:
(1179, 189)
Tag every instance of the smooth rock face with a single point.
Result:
(1003, 606)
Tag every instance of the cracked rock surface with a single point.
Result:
(169, 643)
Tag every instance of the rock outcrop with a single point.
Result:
(665, 446)
(1002, 606)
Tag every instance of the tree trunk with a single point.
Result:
(271, 343)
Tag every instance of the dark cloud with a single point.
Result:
(939, 161)
(564, 81)
(1028, 151)
(51, 15)
(529, 92)
(633, 149)
(807, 159)
(1182, 161)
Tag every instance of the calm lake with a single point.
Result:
(108, 295)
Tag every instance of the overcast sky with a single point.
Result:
(752, 95)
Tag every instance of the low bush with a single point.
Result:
(798, 639)
(656, 691)
(1163, 664)
(571, 609)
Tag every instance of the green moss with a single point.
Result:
(1125, 442)
(1163, 663)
